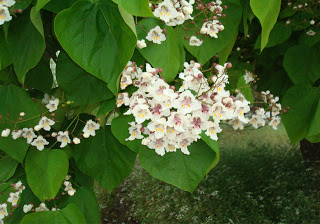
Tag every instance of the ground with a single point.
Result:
(260, 178)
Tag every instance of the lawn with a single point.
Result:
(260, 179)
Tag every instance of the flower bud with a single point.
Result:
(76, 141)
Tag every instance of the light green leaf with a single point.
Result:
(128, 18)
(104, 158)
(26, 44)
(267, 12)
(8, 167)
(178, 169)
(136, 7)
(225, 52)
(46, 171)
(78, 85)
(166, 55)
(303, 118)
(69, 215)
(41, 4)
(97, 38)
(211, 46)
(302, 64)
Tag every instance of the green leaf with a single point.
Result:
(5, 58)
(86, 201)
(267, 12)
(104, 158)
(120, 129)
(10, 97)
(40, 77)
(107, 106)
(214, 145)
(69, 215)
(128, 18)
(8, 167)
(57, 6)
(303, 118)
(26, 44)
(97, 38)
(279, 34)
(245, 89)
(136, 7)
(22, 4)
(41, 4)
(225, 52)
(78, 85)
(178, 169)
(166, 55)
(46, 171)
(302, 64)
(211, 46)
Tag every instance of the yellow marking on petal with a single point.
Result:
(215, 114)
(157, 146)
(2, 17)
(182, 105)
(162, 130)
(154, 37)
(65, 140)
(168, 14)
(143, 115)
(220, 115)
(189, 106)
(240, 113)
(123, 84)
(211, 132)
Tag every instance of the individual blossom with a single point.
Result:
(312, 22)
(42, 207)
(194, 41)
(91, 128)
(123, 99)
(40, 142)
(7, 3)
(135, 131)
(275, 122)
(4, 14)
(213, 130)
(187, 103)
(141, 44)
(165, 11)
(16, 134)
(46, 123)
(53, 105)
(141, 113)
(68, 188)
(256, 121)
(63, 137)
(47, 98)
(5, 133)
(125, 81)
(3, 210)
(156, 36)
(236, 124)
(29, 134)
(19, 187)
(311, 33)
(27, 208)
(248, 77)
(76, 141)
(14, 198)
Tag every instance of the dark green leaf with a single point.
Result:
(8, 167)
(136, 7)
(5, 58)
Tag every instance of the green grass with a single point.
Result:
(260, 179)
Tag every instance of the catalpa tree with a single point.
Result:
(89, 86)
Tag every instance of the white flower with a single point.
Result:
(91, 128)
(165, 11)
(288, 21)
(135, 131)
(236, 124)
(22, 114)
(27, 208)
(275, 122)
(156, 36)
(14, 198)
(40, 142)
(248, 77)
(4, 15)
(16, 134)
(47, 98)
(28, 134)
(141, 113)
(312, 22)
(194, 41)
(45, 123)
(3, 210)
(37, 128)
(19, 187)
(68, 187)
(125, 81)
(5, 133)
(123, 98)
(76, 141)
(7, 3)
(53, 105)
(86, 135)
(42, 207)
(311, 33)
(63, 137)
(186, 103)
(141, 44)
(213, 130)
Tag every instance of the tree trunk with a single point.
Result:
(310, 152)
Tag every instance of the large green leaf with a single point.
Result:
(46, 171)
(57, 6)
(302, 64)
(41, 4)
(178, 169)
(225, 52)
(214, 145)
(267, 12)
(78, 85)
(245, 89)
(69, 215)
(104, 158)
(22, 4)
(212, 46)
(166, 55)
(8, 167)
(26, 42)
(97, 38)
(5, 58)
(14, 100)
(136, 7)
(86, 201)
(120, 129)
(303, 118)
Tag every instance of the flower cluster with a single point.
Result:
(12, 199)
(45, 124)
(174, 12)
(167, 120)
(68, 186)
(4, 11)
